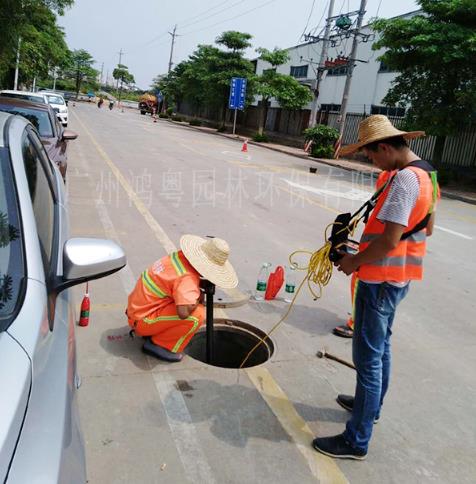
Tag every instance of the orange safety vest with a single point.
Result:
(156, 285)
(405, 262)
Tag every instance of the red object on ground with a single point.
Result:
(244, 148)
(85, 306)
(275, 282)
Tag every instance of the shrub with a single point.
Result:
(163, 115)
(260, 138)
(177, 118)
(170, 111)
(222, 129)
(195, 122)
(323, 138)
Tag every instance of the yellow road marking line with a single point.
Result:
(322, 467)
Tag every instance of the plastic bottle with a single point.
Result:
(262, 281)
(290, 284)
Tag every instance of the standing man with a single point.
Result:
(390, 255)
(166, 304)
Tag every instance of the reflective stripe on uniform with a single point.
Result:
(177, 264)
(419, 236)
(196, 322)
(396, 261)
(152, 286)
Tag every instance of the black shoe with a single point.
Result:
(338, 447)
(343, 331)
(160, 352)
(347, 402)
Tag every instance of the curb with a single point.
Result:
(370, 170)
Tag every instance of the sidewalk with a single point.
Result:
(351, 165)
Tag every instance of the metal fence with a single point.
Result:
(459, 151)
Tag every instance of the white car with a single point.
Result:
(56, 101)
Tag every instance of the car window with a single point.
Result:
(11, 258)
(55, 99)
(28, 97)
(39, 119)
(42, 199)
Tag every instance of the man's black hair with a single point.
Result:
(396, 142)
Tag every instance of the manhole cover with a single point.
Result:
(233, 340)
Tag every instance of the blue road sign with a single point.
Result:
(237, 93)
(159, 96)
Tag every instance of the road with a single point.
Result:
(145, 184)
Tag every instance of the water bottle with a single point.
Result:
(290, 284)
(262, 281)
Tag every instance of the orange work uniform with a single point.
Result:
(152, 305)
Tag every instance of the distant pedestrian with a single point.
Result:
(111, 105)
(391, 253)
(100, 102)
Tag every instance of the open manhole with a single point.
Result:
(233, 340)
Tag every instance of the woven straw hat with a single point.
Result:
(209, 257)
(377, 128)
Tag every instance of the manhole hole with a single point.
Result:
(233, 341)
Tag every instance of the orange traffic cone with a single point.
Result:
(85, 306)
(244, 148)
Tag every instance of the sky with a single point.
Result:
(140, 28)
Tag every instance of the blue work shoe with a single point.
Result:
(161, 353)
(338, 447)
(347, 402)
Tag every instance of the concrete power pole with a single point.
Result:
(350, 69)
(320, 70)
(17, 65)
(120, 61)
(173, 34)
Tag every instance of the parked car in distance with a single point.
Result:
(40, 434)
(59, 105)
(53, 136)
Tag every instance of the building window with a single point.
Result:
(338, 71)
(387, 110)
(330, 107)
(299, 71)
(384, 68)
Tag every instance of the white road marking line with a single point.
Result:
(181, 425)
(354, 194)
(453, 232)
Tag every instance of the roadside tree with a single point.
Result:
(121, 74)
(435, 55)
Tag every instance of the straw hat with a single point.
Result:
(209, 257)
(377, 128)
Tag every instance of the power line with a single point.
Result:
(205, 11)
(308, 19)
(214, 14)
(231, 18)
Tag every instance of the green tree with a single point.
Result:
(435, 55)
(80, 68)
(121, 74)
(285, 89)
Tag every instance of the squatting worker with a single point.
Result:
(166, 303)
(390, 255)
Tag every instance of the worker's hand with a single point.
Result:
(347, 264)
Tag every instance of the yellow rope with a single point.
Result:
(319, 273)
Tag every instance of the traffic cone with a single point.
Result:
(85, 305)
(244, 148)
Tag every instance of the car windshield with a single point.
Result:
(55, 99)
(39, 119)
(28, 97)
(11, 260)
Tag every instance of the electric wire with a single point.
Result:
(231, 18)
(318, 274)
(308, 20)
(213, 14)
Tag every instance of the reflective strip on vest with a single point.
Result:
(152, 286)
(196, 322)
(177, 264)
(419, 236)
(396, 261)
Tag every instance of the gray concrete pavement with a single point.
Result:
(144, 185)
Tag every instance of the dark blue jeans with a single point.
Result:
(375, 306)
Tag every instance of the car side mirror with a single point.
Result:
(69, 135)
(85, 259)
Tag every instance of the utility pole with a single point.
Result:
(17, 65)
(173, 34)
(120, 61)
(102, 71)
(350, 68)
(320, 69)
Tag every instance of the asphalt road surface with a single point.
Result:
(145, 184)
